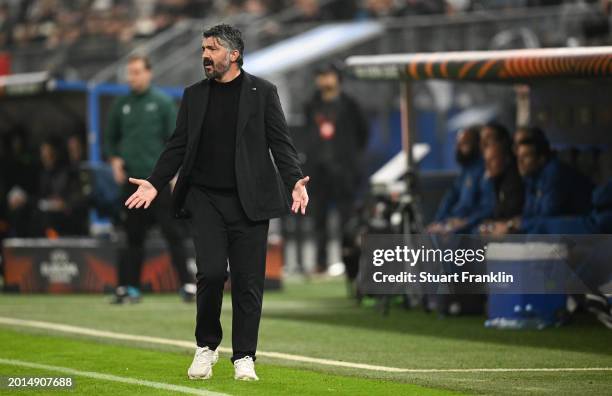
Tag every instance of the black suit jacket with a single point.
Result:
(263, 150)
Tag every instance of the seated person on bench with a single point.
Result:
(500, 166)
(464, 195)
(552, 188)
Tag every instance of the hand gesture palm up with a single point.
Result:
(300, 196)
(144, 195)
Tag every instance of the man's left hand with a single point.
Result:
(500, 228)
(300, 196)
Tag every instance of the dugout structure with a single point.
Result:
(564, 90)
(39, 105)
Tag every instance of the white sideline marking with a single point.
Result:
(276, 355)
(110, 377)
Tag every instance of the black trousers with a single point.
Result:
(335, 185)
(221, 232)
(137, 222)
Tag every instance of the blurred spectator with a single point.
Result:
(551, 187)
(543, 3)
(501, 167)
(56, 193)
(6, 27)
(246, 11)
(310, 11)
(138, 126)
(79, 197)
(343, 9)
(464, 196)
(168, 12)
(20, 182)
(507, 4)
(336, 122)
(53, 209)
(57, 23)
(497, 4)
(596, 24)
(74, 145)
(457, 6)
(494, 133)
(520, 134)
(175, 8)
(21, 160)
(598, 221)
(4, 186)
(423, 7)
(19, 213)
(53, 178)
(380, 9)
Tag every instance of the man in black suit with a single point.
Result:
(238, 169)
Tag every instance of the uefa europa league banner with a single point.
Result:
(77, 265)
(72, 265)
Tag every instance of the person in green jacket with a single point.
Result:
(138, 126)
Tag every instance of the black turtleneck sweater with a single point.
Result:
(214, 164)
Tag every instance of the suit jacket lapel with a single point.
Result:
(200, 106)
(246, 104)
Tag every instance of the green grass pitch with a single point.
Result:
(311, 319)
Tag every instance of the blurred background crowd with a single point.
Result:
(491, 175)
(42, 172)
(55, 23)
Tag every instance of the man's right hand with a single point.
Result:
(144, 195)
(435, 228)
(118, 172)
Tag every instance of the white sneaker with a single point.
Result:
(201, 367)
(244, 369)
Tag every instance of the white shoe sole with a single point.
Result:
(205, 377)
(202, 377)
(245, 378)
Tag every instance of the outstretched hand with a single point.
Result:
(300, 196)
(144, 195)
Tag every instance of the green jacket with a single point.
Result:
(137, 129)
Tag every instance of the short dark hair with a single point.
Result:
(502, 135)
(473, 131)
(141, 57)
(229, 36)
(57, 144)
(532, 131)
(330, 67)
(537, 138)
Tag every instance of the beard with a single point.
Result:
(218, 69)
(465, 159)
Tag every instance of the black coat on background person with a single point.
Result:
(510, 194)
(343, 146)
(261, 134)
